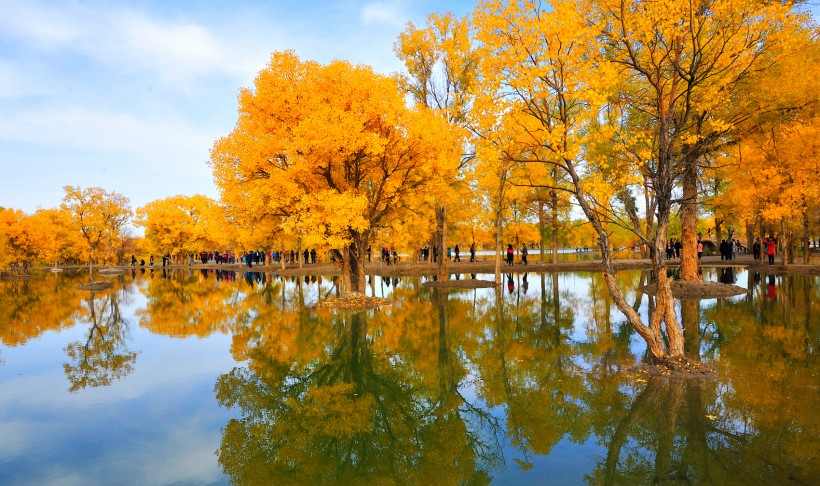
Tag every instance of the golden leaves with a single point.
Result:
(181, 224)
(340, 149)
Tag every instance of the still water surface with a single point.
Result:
(207, 377)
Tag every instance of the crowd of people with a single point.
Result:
(728, 248)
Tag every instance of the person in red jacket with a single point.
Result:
(770, 250)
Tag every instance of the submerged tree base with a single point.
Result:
(460, 284)
(697, 290)
(355, 301)
(96, 286)
(679, 368)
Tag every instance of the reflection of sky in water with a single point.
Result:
(125, 433)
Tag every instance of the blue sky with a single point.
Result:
(130, 95)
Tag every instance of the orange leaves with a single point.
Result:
(327, 150)
(326, 218)
(181, 224)
(96, 212)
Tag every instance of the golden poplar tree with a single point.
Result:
(552, 77)
(97, 214)
(440, 63)
(181, 225)
(331, 153)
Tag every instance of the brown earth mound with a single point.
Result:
(678, 368)
(697, 290)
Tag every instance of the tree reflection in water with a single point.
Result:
(104, 355)
(448, 388)
(352, 415)
(753, 425)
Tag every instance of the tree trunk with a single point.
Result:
(554, 200)
(352, 262)
(750, 234)
(664, 302)
(646, 251)
(358, 283)
(91, 265)
(497, 256)
(441, 242)
(541, 228)
(343, 257)
(665, 309)
(805, 238)
(784, 243)
(689, 223)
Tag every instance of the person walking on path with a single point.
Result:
(456, 252)
(524, 254)
(472, 252)
(756, 249)
(510, 254)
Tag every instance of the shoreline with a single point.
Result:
(481, 266)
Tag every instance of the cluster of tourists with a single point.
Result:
(729, 249)
(251, 258)
(166, 260)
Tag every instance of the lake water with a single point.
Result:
(207, 377)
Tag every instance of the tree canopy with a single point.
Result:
(330, 153)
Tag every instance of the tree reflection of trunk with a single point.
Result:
(660, 400)
(645, 279)
(690, 319)
(513, 428)
(447, 382)
(807, 306)
(543, 306)
(696, 450)
(667, 405)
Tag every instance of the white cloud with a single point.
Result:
(126, 39)
(174, 51)
(82, 129)
(41, 26)
(378, 13)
